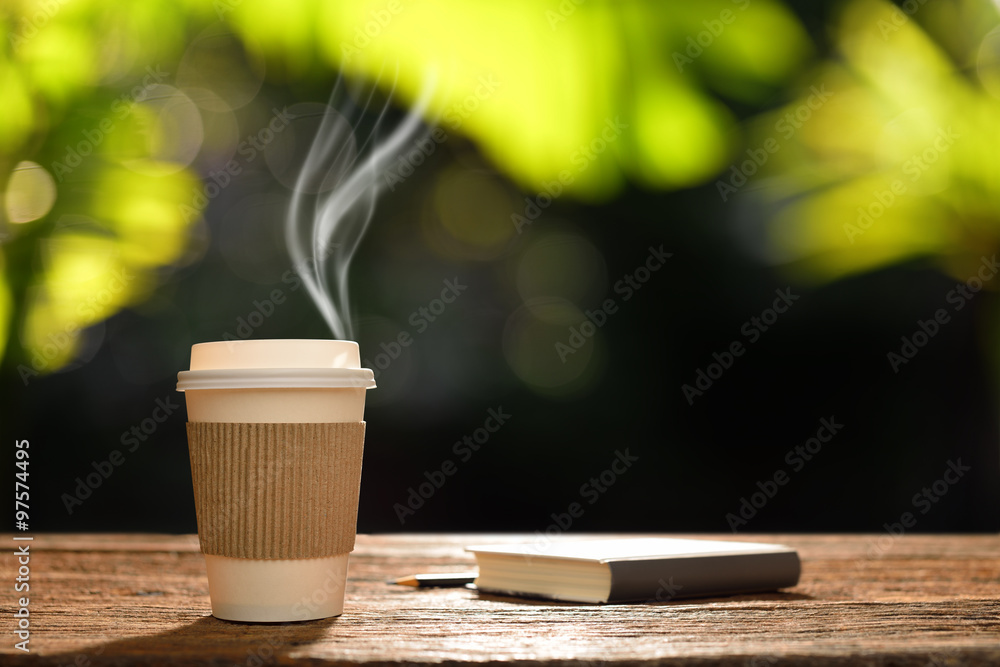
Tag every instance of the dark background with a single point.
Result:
(825, 358)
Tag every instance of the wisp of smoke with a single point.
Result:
(335, 193)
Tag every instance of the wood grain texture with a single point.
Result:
(866, 600)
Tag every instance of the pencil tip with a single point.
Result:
(406, 581)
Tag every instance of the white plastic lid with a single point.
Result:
(279, 363)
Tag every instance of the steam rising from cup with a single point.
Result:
(335, 192)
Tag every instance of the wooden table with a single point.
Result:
(872, 600)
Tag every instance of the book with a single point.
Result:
(634, 569)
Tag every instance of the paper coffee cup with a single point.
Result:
(276, 434)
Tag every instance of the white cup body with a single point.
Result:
(276, 406)
(274, 590)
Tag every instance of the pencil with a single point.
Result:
(439, 580)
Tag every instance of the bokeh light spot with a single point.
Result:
(287, 153)
(472, 210)
(564, 265)
(174, 134)
(218, 61)
(31, 192)
(540, 347)
(220, 128)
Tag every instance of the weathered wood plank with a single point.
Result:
(143, 599)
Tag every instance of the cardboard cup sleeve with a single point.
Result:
(275, 491)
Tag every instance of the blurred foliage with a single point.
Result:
(537, 85)
(91, 197)
(899, 161)
(111, 109)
